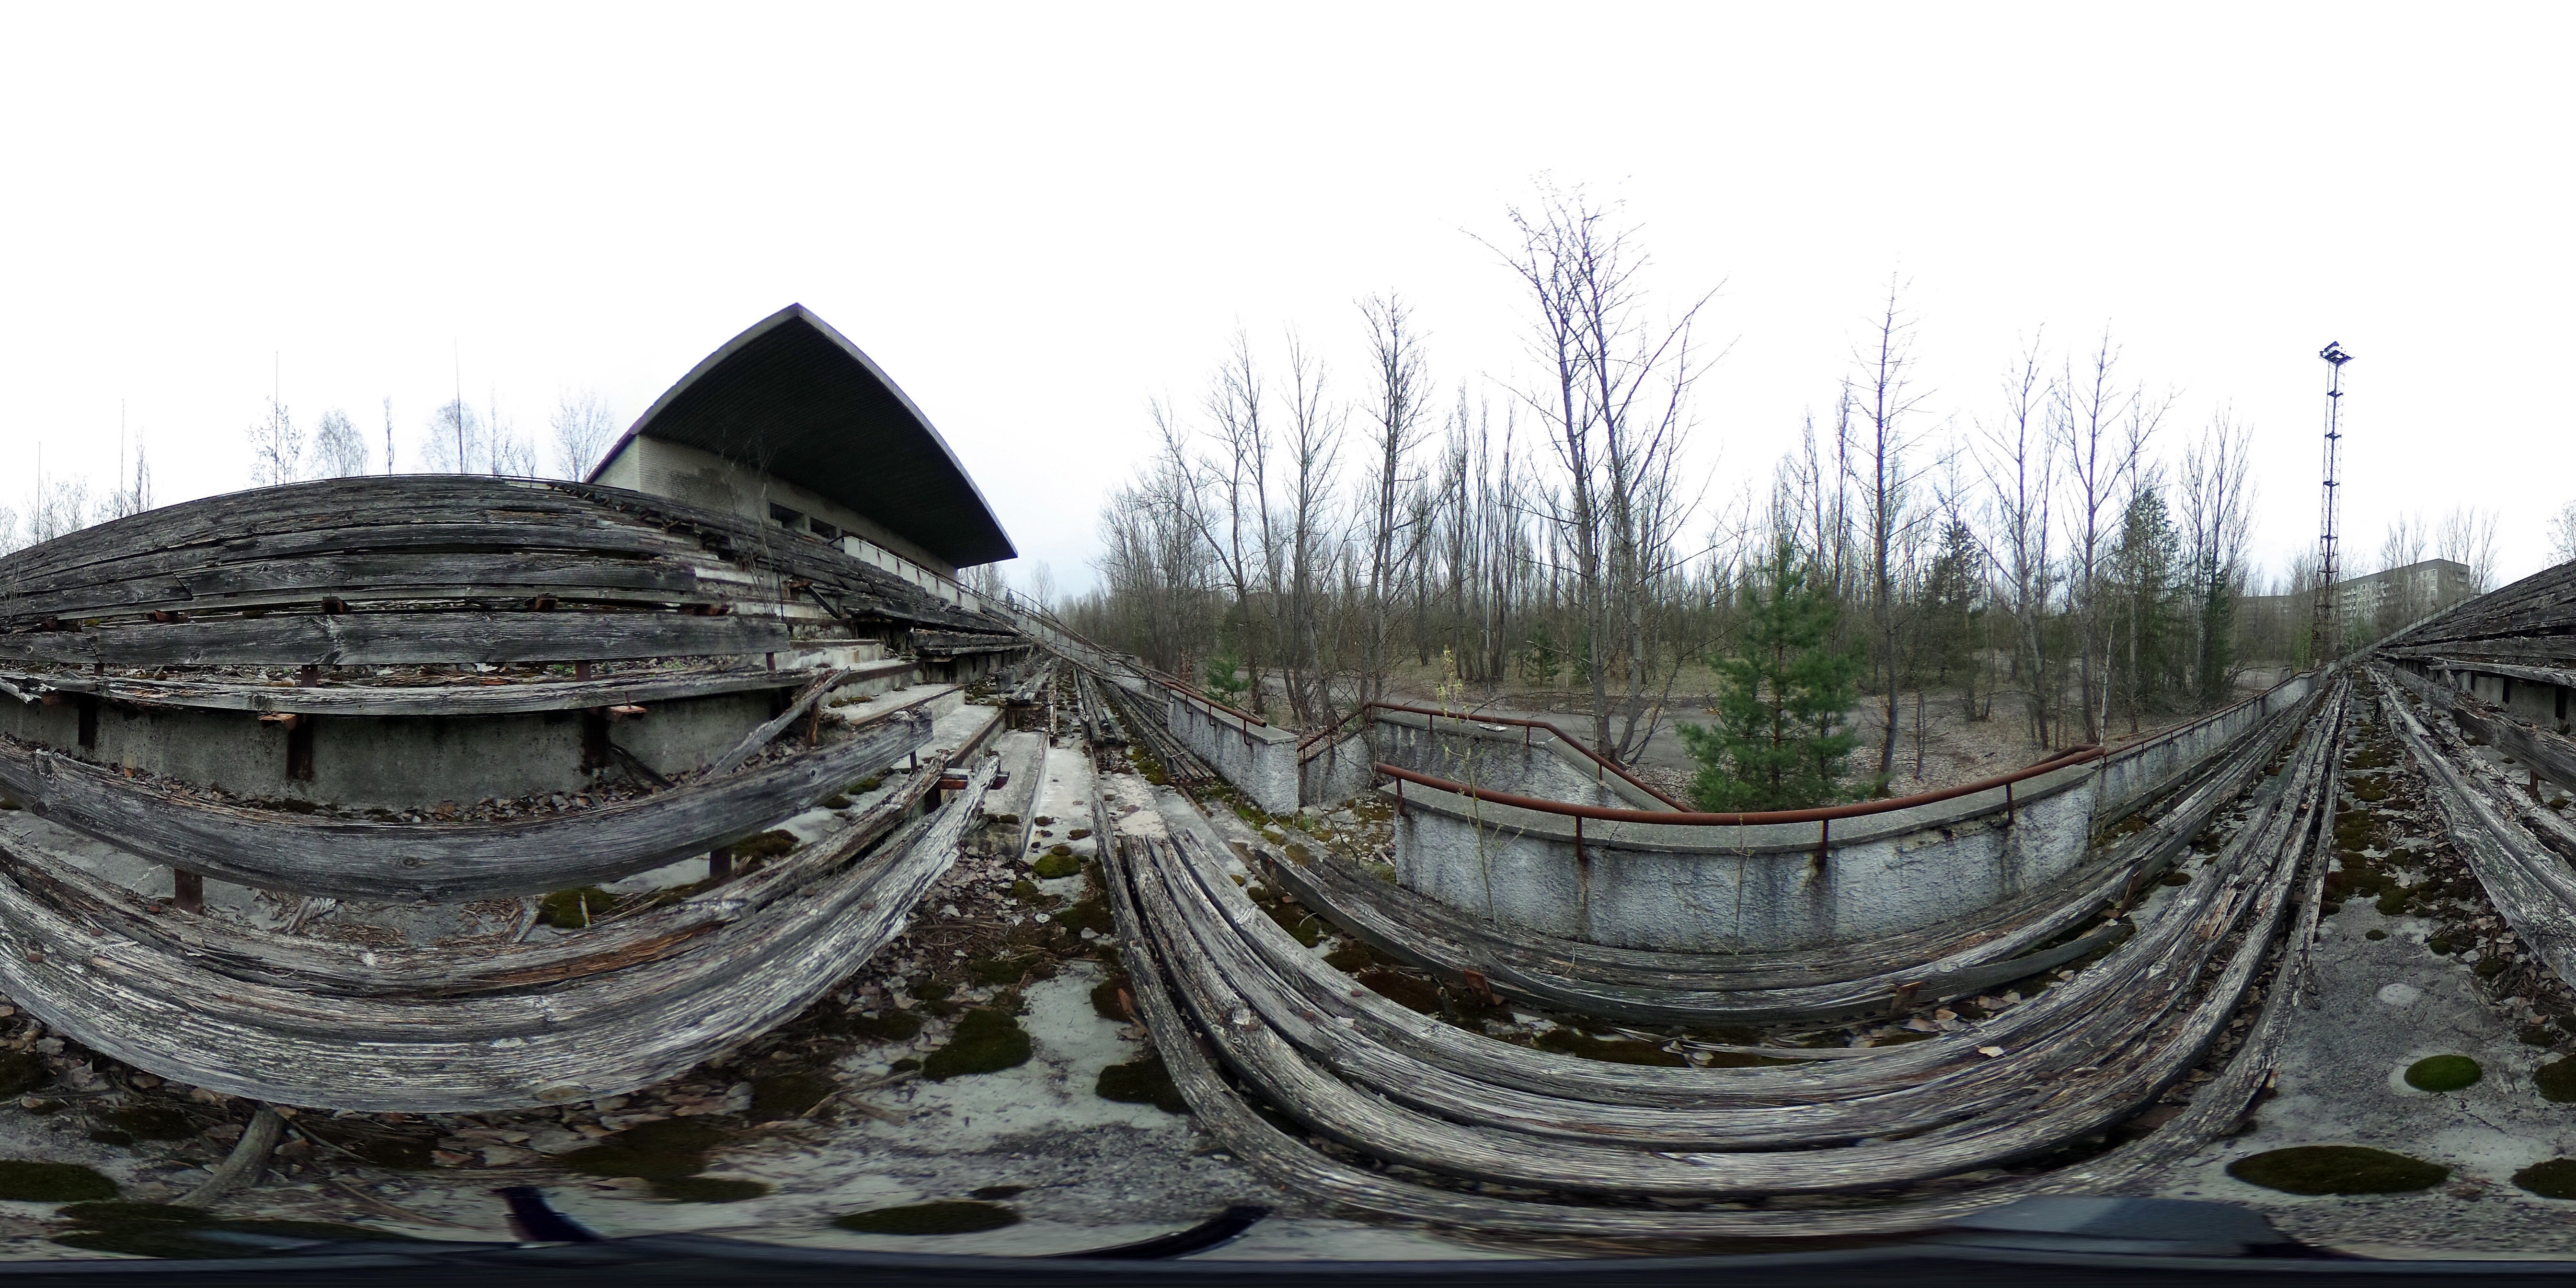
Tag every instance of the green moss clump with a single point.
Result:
(29, 1181)
(1027, 891)
(946, 1216)
(707, 1189)
(1051, 866)
(2556, 1081)
(149, 1122)
(1614, 1050)
(1300, 924)
(892, 1026)
(182, 1239)
(1352, 956)
(1142, 1081)
(764, 845)
(932, 990)
(986, 1040)
(1077, 834)
(866, 785)
(2177, 877)
(992, 971)
(22, 1072)
(2492, 965)
(2539, 1035)
(2375, 934)
(9, 802)
(1408, 991)
(904, 1065)
(836, 801)
(574, 909)
(1043, 821)
(2392, 902)
(2443, 1073)
(100, 1216)
(673, 1147)
(2337, 1169)
(788, 1095)
(991, 1192)
(1104, 999)
(2554, 1179)
(1091, 914)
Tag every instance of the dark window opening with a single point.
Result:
(786, 518)
(824, 530)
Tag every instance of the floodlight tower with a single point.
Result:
(2327, 629)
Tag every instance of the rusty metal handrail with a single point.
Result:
(1561, 736)
(1691, 818)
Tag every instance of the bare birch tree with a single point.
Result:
(583, 429)
(338, 449)
(276, 447)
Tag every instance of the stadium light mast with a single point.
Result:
(2327, 629)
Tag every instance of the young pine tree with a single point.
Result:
(1779, 740)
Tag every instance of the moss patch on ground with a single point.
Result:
(656, 1151)
(1143, 1081)
(574, 909)
(890, 1026)
(764, 845)
(149, 1122)
(30, 1181)
(22, 1072)
(943, 1216)
(1053, 866)
(166, 1230)
(1105, 1002)
(2554, 1179)
(788, 1095)
(2443, 1073)
(1614, 1050)
(707, 1189)
(993, 971)
(2337, 1169)
(986, 1040)
(1408, 991)
(2556, 1081)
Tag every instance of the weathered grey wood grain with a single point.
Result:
(401, 638)
(331, 967)
(597, 1037)
(443, 861)
(517, 697)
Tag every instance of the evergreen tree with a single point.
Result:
(1779, 740)
(2146, 577)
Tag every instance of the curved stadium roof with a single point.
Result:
(793, 398)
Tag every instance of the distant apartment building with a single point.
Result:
(2367, 607)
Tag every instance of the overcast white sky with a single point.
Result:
(1038, 218)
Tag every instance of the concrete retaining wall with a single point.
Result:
(1775, 887)
(1261, 761)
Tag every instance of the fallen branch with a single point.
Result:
(759, 738)
(243, 1167)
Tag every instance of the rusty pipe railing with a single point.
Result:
(1694, 818)
(1561, 736)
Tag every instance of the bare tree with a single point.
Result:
(338, 450)
(2468, 535)
(2217, 503)
(455, 441)
(276, 447)
(2562, 534)
(1394, 539)
(2020, 471)
(1885, 401)
(583, 429)
(1300, 543)
(2102, 431)
(1615, 404)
